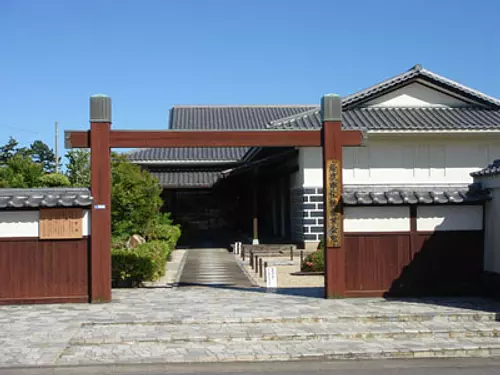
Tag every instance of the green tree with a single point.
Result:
(78, 167)
(20, 172)
(43, 154)
(135, 198)
(8, 150)
(54, 180)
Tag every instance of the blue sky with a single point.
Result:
(149, 55)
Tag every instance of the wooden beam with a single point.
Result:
(129, 139)
(77, 139)
(172, 139)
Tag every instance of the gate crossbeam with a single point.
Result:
(175, 139)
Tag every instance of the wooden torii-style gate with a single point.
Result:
(100, 139)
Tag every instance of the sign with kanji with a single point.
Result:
(61, 223)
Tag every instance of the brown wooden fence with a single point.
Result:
(43, 271)
(405, 264)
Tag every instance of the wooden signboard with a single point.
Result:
(61, 223)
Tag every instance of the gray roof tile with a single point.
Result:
(246, 117)
(186, 178)
(36, 198)
(399, 197)
(491, 170)
(400, 119)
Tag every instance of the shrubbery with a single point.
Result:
(315, 262)
(146, 262)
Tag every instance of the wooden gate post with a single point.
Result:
(100, 180)
(331, 112)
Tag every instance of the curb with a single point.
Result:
(180, 269)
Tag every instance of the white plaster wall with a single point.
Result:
(19, 223)
(86, 223)
(449, 218)
(377, 219)
(415, 95)
(404, 160)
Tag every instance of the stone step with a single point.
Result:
(217, 333)
(338, 349)
(465, 316)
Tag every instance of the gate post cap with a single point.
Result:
(331, 107)
(100, 108)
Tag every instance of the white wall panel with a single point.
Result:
(415, 95)
(400, 162)
(377, 219)
(19, 223)
(86, 223)
(449, 218)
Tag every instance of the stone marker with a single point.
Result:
(135, 241)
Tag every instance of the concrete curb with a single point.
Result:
(178, 274)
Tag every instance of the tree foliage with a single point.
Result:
(20, 172)
(44, 155)
(135, 198)
(54, 180)
(78, 167)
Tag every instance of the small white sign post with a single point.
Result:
(271, 278)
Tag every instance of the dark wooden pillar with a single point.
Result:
(335, 258)
(100, 178)
(255, 210)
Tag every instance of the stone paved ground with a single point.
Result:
(226, 324)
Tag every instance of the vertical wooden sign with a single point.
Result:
(61, 223)
(333, 207)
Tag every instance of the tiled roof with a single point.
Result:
(35, 198)
(245, 117)
(401, 119)
(398, 197)
(186, 178)
(419, 73)
(202, 154)
(491, 170)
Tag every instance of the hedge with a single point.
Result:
(146, 262)
(315, 262)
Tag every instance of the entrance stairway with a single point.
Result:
(371, 336)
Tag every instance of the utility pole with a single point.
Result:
(57, 147)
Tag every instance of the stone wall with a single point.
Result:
(307, 214)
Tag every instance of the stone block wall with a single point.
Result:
(307, 214)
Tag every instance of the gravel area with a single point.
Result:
(284, 267)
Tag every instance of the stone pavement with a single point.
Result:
(212, 267)
(210, 324)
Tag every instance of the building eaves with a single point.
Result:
(44, 198)
(186, 178)
(491, 170)
(401, 119)
(406, 197)
(417, 72)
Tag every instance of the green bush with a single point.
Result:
(162, 228)
(146, 262)
(135, 198)
(314, 262)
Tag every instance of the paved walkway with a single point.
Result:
(215, 267)
(238, 324)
